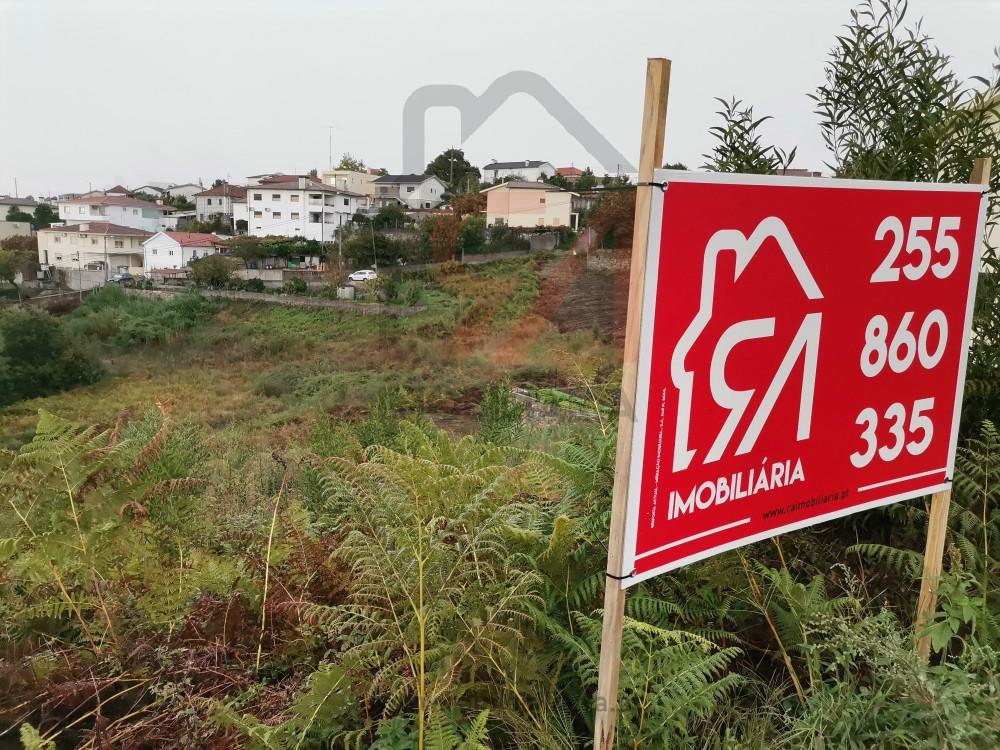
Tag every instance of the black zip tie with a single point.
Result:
(619, 578)
(631, 186)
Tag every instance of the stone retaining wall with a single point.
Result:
(547, 415)
(609, 260)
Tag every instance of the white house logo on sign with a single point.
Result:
(804, 347)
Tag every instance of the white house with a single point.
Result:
(527, 170)
(188, 190)
(299, 207)
(159, 189)
(7, 202)
(411, 190)
(163, 189)
(93, 246)
(218, 200)
(116, 209)
(177, 249)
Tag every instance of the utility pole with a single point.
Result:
(331, 146)
(106, 261)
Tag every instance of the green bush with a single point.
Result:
(502, 238)
(278, 381)
(111, 315)
(501, 416)
(396, 290)
(294, 286)
(254, 285)
(38, 357)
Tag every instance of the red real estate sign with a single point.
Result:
(802, 356)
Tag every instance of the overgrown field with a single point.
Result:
(236, 526)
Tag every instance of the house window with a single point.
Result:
(119, 243)
(93, 242)
(57, 238)
(276, 196)
(315, 196)
(294, 198)
(258, 214)
(295, 215)
(154, 251)
(83, 236)
(347, 201)
(409, 189)
(258, 196)
(541, 200)
(135, 211)
(58, 257)
(81, 210)
(170, 252)
(383, 190)
(276, 215)
(208, 201)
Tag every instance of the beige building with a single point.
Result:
(351, 181)
(92, 246)
(529, 204)
(15, 229)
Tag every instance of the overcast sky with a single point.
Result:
(98, 92)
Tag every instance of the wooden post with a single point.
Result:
(937, 524)
(654, 116)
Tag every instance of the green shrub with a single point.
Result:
(109, 314)
(501, 416)
(278, 381)
(254, 285)
(294, 286)
(396, 290)
(38, 358)
(382, 425)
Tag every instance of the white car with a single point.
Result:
(365, 275)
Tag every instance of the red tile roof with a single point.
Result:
(287, 178)
(233, 191)
(569, 171)
(194, 239)
(116, 200)
(117, 189)
(99, 227)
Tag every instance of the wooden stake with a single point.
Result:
(654, 117)
(937, 525)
